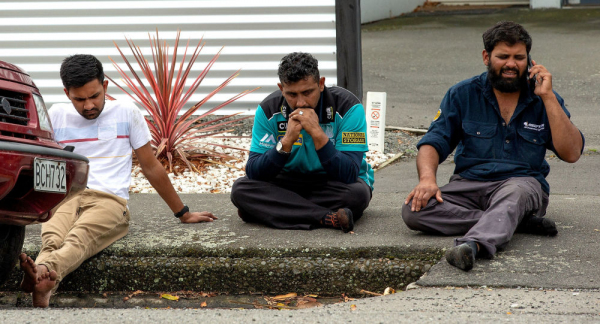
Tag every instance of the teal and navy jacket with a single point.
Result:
(488, 148)
(343, 158)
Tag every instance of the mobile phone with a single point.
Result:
(532, 81)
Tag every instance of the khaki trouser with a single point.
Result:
(80, 228)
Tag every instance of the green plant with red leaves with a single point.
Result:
(174, 135)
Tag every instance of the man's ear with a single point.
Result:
(486, 57)
(280, 86)
(67, 93)
(105, 85)
(322, 84)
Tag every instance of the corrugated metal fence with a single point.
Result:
(37, 35)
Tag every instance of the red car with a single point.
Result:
(36, 173)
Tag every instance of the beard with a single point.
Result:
(93, 113)
(506, 85)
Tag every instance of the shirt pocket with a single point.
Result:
(479, 139)
(107, 130)
(533, 147)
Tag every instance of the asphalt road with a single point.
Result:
(424, 305)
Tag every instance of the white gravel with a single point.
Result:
(218, 178)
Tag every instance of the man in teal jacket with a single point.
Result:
(307, 165)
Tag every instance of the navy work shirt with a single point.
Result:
(487, 148)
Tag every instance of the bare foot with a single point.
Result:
(30, 275)
(43, 289)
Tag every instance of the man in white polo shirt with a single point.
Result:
(106, 133)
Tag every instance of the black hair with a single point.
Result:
(506, 32)
(77, 70)
(298, 66)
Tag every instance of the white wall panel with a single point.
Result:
(38, 35)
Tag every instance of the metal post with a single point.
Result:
(349, 47)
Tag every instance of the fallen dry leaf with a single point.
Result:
(346, 299)
(306, 299)
(277, 302)
(282, 297)
(352, 307)
(128, 297)
(188, 294)
(203, 304)
(370, 292)
(255, 304)
(169, 297)
(389, 291)
(308, 305)
(291, 301)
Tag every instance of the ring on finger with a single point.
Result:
(300, 113)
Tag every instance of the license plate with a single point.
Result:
(49, 175)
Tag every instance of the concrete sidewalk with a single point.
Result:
(230, 256)
(415, 60)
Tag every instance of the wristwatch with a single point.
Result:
(182, 212)
(280, 150)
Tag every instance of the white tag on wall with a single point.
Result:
(376, 104)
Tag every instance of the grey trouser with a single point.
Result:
(297, 202)
(487, 212)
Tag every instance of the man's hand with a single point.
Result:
(427, 162)
(543, 84)
(566, 138)
(421, 194)
(197, 217)
(310, 123)
(308, 118)
(291, 134)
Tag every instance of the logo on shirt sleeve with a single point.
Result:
(438, 114)
(354, 138)
(267, 141)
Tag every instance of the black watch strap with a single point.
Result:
(182, 212)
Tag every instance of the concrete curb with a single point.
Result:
(322, 272)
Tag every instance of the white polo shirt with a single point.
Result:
(106, 141)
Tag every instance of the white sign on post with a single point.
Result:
(376, 103)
